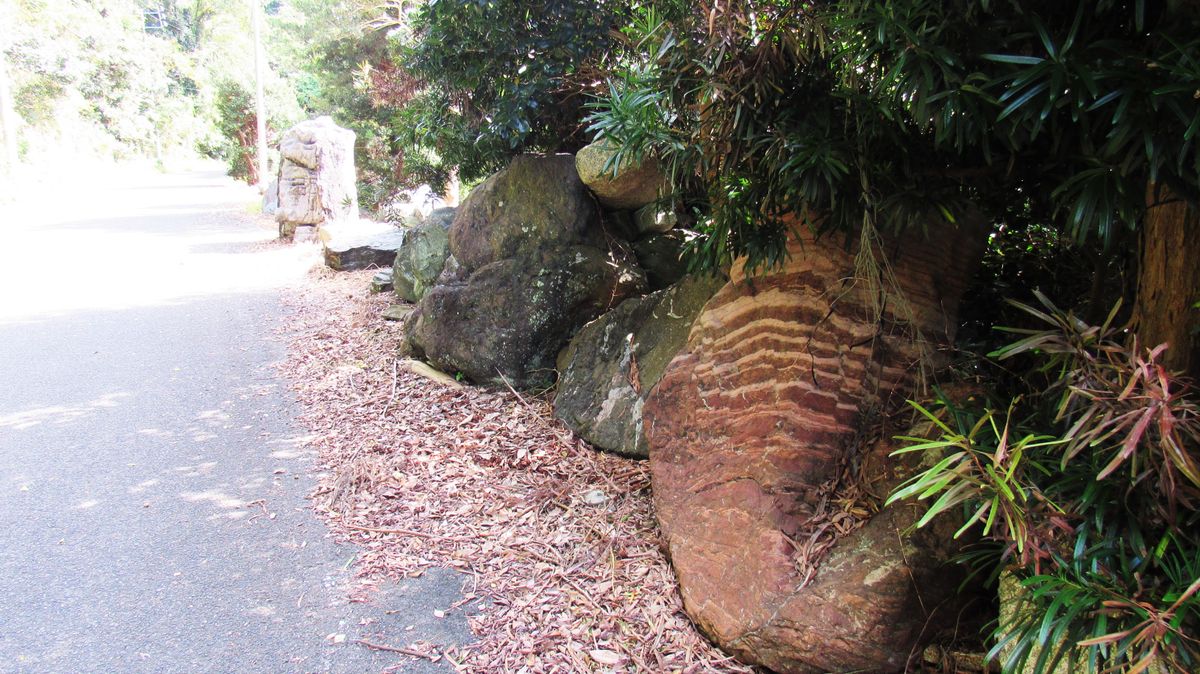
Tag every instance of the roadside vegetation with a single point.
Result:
(1069, 130)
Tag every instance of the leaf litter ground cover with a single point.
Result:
(557, 543)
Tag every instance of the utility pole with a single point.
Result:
(260, 63)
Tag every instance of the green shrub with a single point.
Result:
(1087, 492)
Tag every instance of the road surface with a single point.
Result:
(152, 480)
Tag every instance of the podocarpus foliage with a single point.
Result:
(1086, 491)
(906, 115)
(908, 109)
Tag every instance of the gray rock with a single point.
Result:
(534, 205)
(613, 362)
(422, 257)
(361, 245)
(632, 187)
(270, 200)
(661, 255)
(452, 272)
(397, 312)
(507, 321)
(316, 175)
(654, 219)
(381, 282)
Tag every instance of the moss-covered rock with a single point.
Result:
(661, 255)
(422, 256)
(507, 321)
(536, 204)
(633, 185)
(614, 362)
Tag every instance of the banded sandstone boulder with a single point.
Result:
(613, 363)
(751, 423)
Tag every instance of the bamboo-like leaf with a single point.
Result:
(1023, 99)
(923, 446)
(953, 496)
(977, 516)
(922, 481)
(931, 416)
(1013, 58)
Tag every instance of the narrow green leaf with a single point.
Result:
(1013, 58)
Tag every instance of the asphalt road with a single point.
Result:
(152, 479)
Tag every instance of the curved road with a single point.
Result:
(152, 482)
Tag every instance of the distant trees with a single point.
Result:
(88, 72)
(124, 78)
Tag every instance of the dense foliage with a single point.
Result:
(88, 71)
(1086, 491)
(493, 79)
(1062, 124)
(906, 110)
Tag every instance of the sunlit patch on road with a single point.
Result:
(59, 414)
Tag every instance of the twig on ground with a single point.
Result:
(432, 657)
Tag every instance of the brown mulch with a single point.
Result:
(557, 541)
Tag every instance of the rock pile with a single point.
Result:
(745, 394)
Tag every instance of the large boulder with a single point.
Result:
(536, 204)
(752, 422)
(613, 363)
(530, 263)
(506, 322)
(633, 185)
(316, 175)
(422, 257)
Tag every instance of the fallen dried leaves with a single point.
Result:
(420, 474)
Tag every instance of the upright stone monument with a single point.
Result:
(316, 176)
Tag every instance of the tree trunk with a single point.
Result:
(1169, 282)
